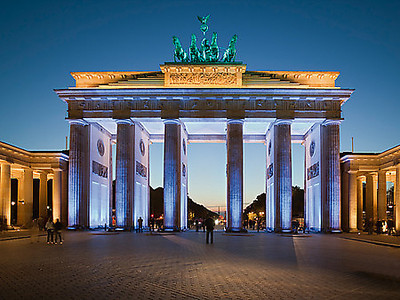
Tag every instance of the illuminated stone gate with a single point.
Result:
(206, 102)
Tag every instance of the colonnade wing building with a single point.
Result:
(202, 102)
(370, 188)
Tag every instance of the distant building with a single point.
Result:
(367, 179)
(33, 184)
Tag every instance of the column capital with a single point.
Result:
(124, 121)
(172, 121)
(283, 122)
(78, 122)
(235, 121)
(331, 122)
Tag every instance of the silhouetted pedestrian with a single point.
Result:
(209, 225)
(50, 231)
(152, 223)
(370, 226)
(379, 227)
(196, 224)
(140, 222)
(57, 231)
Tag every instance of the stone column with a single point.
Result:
(43, 195)
(331, 205)
(5, 193)
(172, 174)
(78, 173)
(21, 201)
(352, 209)
(370, 191)
(234, 172)
(397, 199)
(64, 201)
(28, 196)
(359, 204)
(382, 200)
(57, 194)
(124, 185)
(283, 175)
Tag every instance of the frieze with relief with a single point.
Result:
(203, 79)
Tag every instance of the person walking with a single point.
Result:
(140, 221)
(152, 223)
(57, 231)
(50, 231)
(209, 225)
(370, 226)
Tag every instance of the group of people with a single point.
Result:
(53, 229)
(382, 226)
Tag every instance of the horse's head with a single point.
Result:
(234, 39)
(214, 38)
(176, 42)
(194, 39)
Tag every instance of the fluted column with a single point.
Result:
(43, 195)
(5, 193)
(382, 200)
(124, 185)
(78, 174)
(283, 175)
(57, 194)
(172, 174)
(352, 209)
(331, 205)
(28, 195)
(397, 198)
(234, 145)
(360, 193)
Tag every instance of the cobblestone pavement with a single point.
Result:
(95, 265)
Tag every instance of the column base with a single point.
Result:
(241, 230)
(171, 229)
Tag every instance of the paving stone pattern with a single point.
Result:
(92, 265)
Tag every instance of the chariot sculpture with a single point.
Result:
(208, 52)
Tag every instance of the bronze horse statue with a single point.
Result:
(230, 53)
(179, 53)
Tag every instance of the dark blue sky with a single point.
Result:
(42, 41)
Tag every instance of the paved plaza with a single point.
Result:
(98, 265)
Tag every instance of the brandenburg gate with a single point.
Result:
(202, 98)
